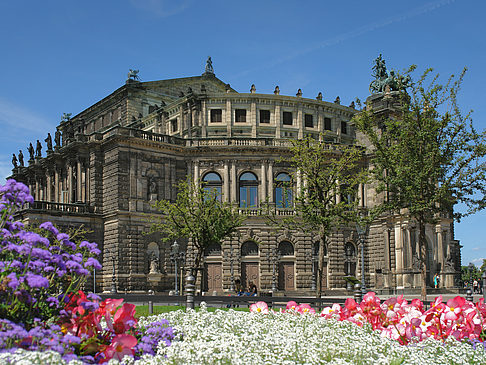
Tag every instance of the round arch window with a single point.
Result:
(248, 184)
(213, 184)
(283, 190)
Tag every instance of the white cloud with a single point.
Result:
(477, 248)
(161, 8)
(478, 261)
(18, 117)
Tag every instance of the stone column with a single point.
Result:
(399, 256)
(440, 247)
(234, 183)
(78, 180)
(300, 123)
(56, 185)
(70, 182)
(204, 119)
(270, 181)
(226, 182)
(189, 120)
(263, 194)
(228, 118)
(253, 119)
(86, 183)
(196, 172)
(277, 121)
(49, 186)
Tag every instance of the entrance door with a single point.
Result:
(250, 273)
(213, 278)
(286, 276)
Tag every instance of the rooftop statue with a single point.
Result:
(38, 149)
(21, 158)
(209, 66)
(66, 116)
(133, 75)
(31, 152)
(48, 141)
(383, 79)
(57, 138)
(14, 161)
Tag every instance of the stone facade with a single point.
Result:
(131, 148)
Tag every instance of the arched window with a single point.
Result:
(249, 248)
(213, 250)
(213, 184)
(283, 191)
(286, 248)
(350, 259)
(248, 190)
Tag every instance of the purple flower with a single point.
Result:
(93, 296)
(13, 282)
(53, 301)
(90, 306)
(36, 281)
(49, 227)
(92, 262)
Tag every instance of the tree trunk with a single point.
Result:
(320, 266)
(423, 257)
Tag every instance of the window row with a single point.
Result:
(248, 189)
(250, 248)
(216, 116)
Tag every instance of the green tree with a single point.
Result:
(326, 197)
(427, 156)
(199, 215)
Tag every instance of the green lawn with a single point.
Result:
(142, 310)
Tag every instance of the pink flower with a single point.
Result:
(120, 346)
(454, 308)
(124, 318)
(305, 309)
(291, 305)
(259, 307)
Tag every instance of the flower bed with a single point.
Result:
(46, 319)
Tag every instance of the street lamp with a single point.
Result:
(362, 228)
(177, 257)
(471, 270)
(312, 257)
(484, 284)
(232, 276)
(276, 256)
(113, 278)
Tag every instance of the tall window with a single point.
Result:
(350, 259)
(248, 190)
(216, 115)
(344, 127)
(309, 121)
(212, 183)
(327, 124)
(264, 116)
(283, 191)
(287, 118)
(173, 124)
(240, 115)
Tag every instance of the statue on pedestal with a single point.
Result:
(31, 152)
(48, 141)
(154, 264)
(14, 161)
(21, 158)
(38, 149)
(57, 138)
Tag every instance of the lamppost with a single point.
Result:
(113, 278)
(471, 271)
(275, 258)
(361, 228)
(177, 257)
(483, 288)
(232, 274)
(313, 259)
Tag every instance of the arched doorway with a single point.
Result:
(250, 264)
(286, 266)
(213, 275)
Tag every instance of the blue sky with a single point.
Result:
(63, 56)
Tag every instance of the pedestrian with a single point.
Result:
(436, 280)
(475, 286)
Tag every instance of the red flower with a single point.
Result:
(120, 346)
